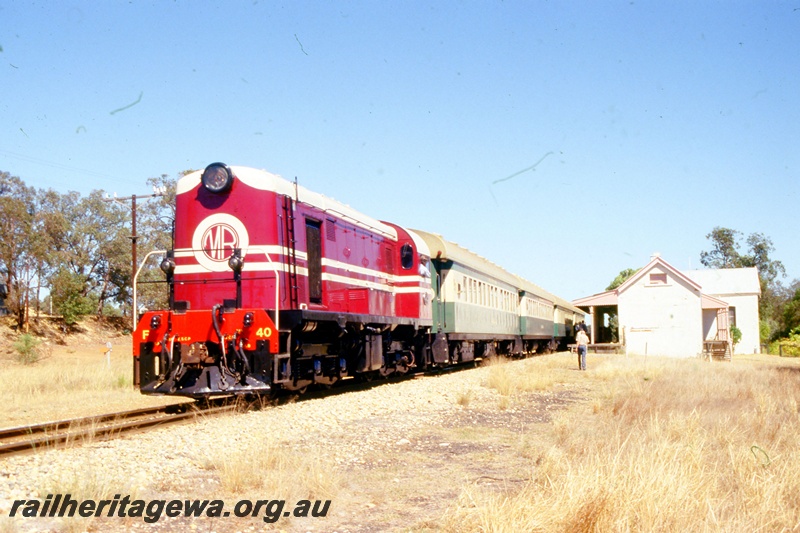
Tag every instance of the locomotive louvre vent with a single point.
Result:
(389, 264)
(330, 229)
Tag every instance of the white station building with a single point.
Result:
(661, 310)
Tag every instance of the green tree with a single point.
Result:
(724, 249)
(17, 208)
(79, 247)
(725, 253)
(760, 247)
(89, 238)
(41, 244)
(791, 312)
(68, 293)
(621, 278)
(103, 230)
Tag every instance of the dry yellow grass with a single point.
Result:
(530, 375)
(266, 467)
(73, 381)
(88, 478)
(464, 398)
(664, 446)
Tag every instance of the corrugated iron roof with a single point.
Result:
(597, 300)
(727, 281)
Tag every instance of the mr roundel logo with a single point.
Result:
(216, 237)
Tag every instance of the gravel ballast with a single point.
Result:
(400, 452)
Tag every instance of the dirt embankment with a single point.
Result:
(54, 331)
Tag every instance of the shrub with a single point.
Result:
(27, 347)
(68, 296)
(764, 330)
(787, 346)
(736, 335)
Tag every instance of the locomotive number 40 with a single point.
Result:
(264, 332)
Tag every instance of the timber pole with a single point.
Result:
(132, 198)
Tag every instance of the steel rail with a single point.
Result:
(102, 427)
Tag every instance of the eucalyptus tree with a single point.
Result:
(621, 278)
(17, 209)
(725, 253)
(79, 248)
(90, 251)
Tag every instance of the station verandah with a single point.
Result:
(604, 333)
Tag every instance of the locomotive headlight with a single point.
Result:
(217, 178)
(155, 321)
(248, 319)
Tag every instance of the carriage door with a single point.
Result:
(314, 250)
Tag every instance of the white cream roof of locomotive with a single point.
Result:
(266, 181)
(422, 246)
(446, 250)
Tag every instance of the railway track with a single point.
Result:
(77, 431)
(87, 429)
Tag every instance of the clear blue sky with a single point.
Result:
(624, 128)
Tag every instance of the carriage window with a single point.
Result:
(406, 256)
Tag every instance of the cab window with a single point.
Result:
(406, 256)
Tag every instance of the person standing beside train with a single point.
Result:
(583, 343)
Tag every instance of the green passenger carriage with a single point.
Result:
(481, 310)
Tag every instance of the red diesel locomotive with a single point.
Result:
(272, 286)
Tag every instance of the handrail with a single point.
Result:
(134, 311)
(261, 249)
(277, 284)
